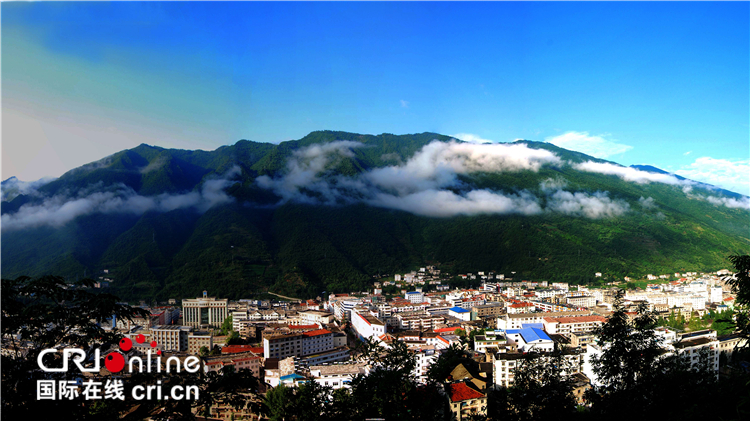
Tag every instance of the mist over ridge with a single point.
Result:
(242, 193)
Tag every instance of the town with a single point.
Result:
(287, 343)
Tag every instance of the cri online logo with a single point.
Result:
(115, 361)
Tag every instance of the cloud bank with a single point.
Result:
(643, 177)
(428, 183)
(12, 187)
(61, 209)
(471, 138)
(630, 174)
(729, 174)
(597, 146)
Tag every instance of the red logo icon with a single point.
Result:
(126, 344)
(115, 361)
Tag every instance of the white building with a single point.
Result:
(415, 297)
(337, 376)
(298, 344)
(171, 337)
(715, 294)
(530, 339)
(568, 325)
(460, 313)
(696, 345)
(205, 311)
(366, 325)
(315, 317)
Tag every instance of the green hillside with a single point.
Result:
(253, 243)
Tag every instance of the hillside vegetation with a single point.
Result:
(248, 240)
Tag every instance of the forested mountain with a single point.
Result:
(330, 210)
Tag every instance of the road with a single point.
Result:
(283, 296)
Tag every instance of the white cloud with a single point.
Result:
(647, 203)
(552, 184)
(688, 153)
(404, 104)
(596, 146)
(595, 206)
(428, 184)
(732, 175)
(61, 209)
(687, 186)
(13, 187)
(471, 138)
(304, 170)
(628, 173)
(730, 202)
(445, 203)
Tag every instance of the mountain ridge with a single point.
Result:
(234, 221)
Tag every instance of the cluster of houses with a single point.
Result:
(496, 325)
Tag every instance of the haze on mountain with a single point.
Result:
(333, 209)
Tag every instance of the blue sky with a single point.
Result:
(664, 84)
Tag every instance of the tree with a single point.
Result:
(227, 326)
(740, 284)
(447, 361)
(542, 388)
(630, 348)
(390, 391)
(49, 312)
(637, 376)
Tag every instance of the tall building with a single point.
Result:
(205, 311)
(171, 338)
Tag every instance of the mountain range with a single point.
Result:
(332, 210)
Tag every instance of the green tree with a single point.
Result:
(227, 326)
(637, 375)
(49, 312)
(740, 284)
(390, 390)
(542, 388)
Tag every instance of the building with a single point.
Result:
(417, 321)
(487, 310)
(516, 321)
(337, 376)
(505, 365)
(567, 325)
(205, 311)
(460, 313)
(241, 360)
(728, 344)
(492, 341)
(366, 325)
(171, 338)
(697, 345)
(198, 340)
(298, 344)
(313, 316)
(581, 301)
(530, 339)
(466, 401)
(414, 297)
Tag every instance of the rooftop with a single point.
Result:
(579, 319)
(693, 342)
(530, 334)
(461, 392)
(317, 332)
